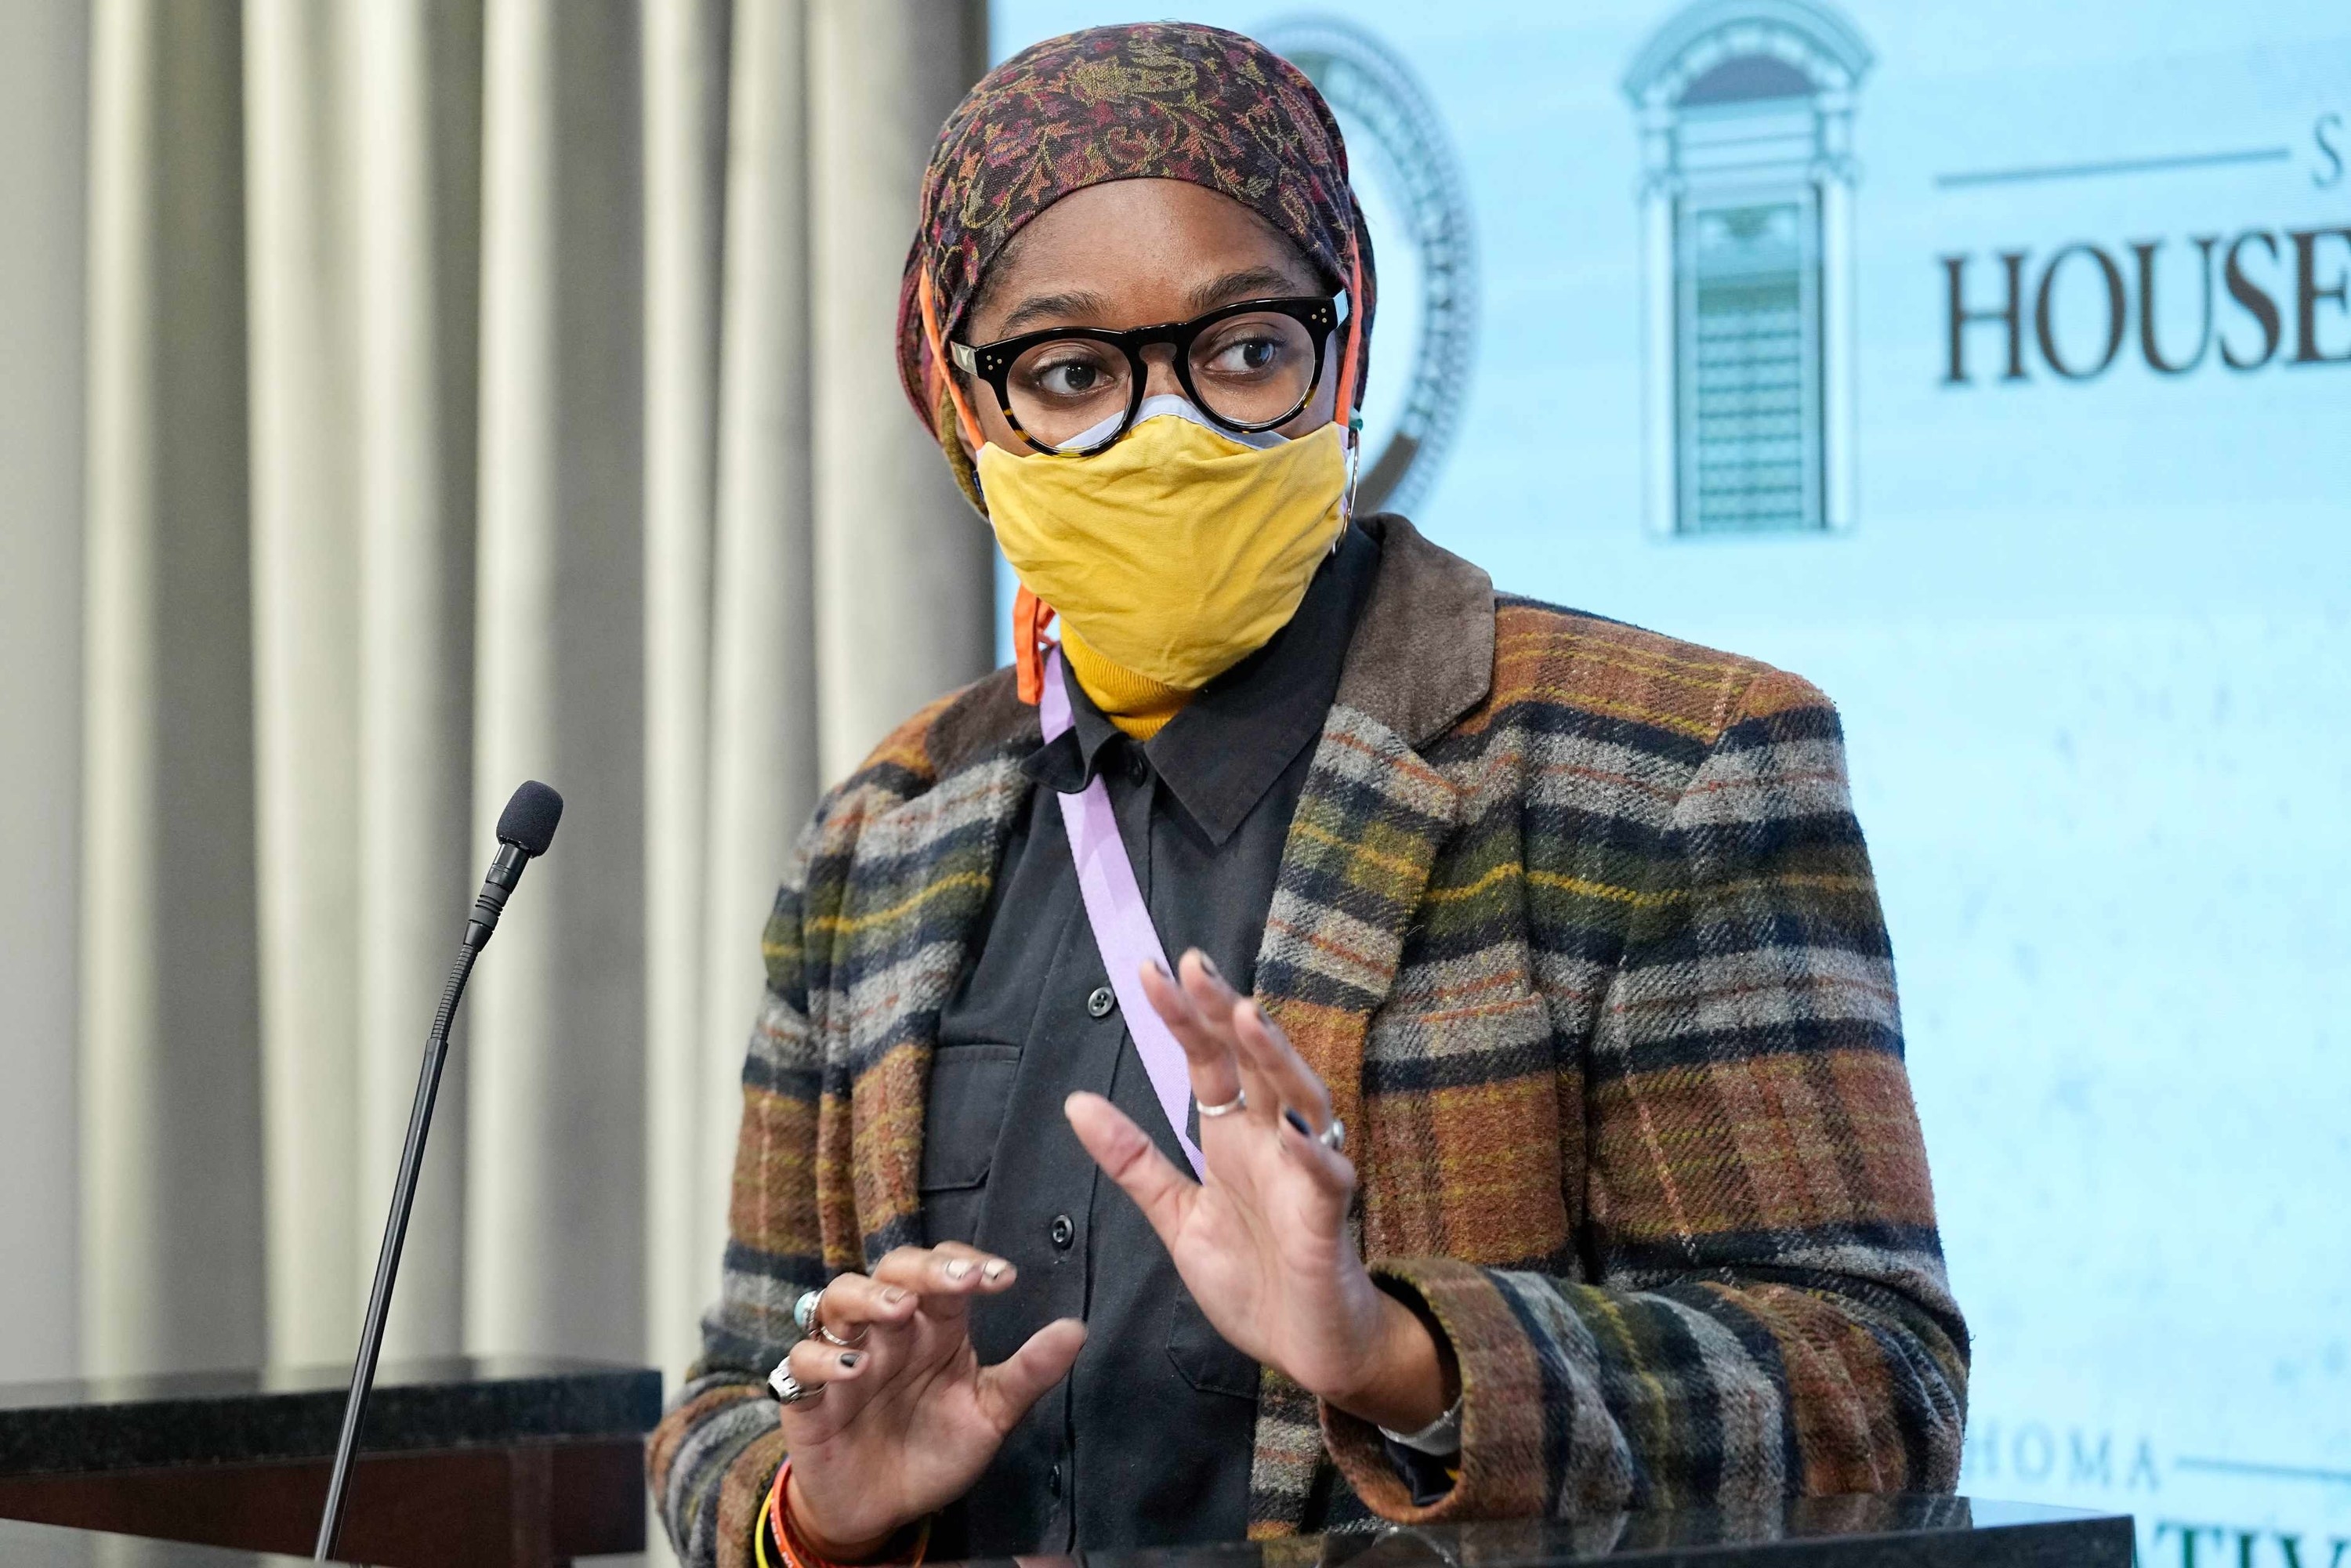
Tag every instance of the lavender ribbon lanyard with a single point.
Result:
(1122, 924)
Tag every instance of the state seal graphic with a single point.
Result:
(1417, 201)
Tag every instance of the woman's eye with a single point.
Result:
(1246, 357)
(1069, 378)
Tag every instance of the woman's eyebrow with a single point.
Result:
(1249, 283)
(1077, 303)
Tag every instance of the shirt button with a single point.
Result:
(1063, 1231)
(1099, 1004)
(1138, 767)
(1053, 1481)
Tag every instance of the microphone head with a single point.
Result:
(529, 821)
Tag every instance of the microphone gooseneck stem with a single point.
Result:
(404, 1196)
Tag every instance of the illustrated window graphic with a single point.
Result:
(1746, 112)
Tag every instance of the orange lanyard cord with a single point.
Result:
(1343, 409)
(1029, 613)
(939, 365)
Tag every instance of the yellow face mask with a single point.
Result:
(1181, 549)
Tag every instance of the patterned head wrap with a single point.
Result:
(1167, 101)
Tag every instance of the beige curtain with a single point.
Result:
(171, 1193)
(477, 390)
(44, 275)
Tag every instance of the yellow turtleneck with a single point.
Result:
(1138, 705)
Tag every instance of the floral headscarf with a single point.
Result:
(1168, 101)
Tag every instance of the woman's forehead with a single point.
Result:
(1161, 244)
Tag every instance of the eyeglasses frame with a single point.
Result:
(1320, 314)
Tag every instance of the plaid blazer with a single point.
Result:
(1576, 922)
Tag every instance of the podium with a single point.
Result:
(1818, 1533)
(528, 1462)
(516, 1461)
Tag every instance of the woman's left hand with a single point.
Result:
(1262, 1244)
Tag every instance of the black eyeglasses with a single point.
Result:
(1075, 390)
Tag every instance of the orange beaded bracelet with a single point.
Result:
(776, 1519)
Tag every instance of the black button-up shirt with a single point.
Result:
(1149, 1440)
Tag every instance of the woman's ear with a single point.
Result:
(963, 462)
(958, 412)
(963, 433)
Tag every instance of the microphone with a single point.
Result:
(525, 830)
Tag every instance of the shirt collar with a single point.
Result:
(1090, 743)
(1221, 754)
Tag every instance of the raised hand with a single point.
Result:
(1262, 1243)
(908, 1418)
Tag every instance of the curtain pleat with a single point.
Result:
(763, 728)
(171, 1075)
(897, 551)
(479, 390)
(685, 108)
(303, 349)
(555, 1191)
(44, 83)
(415, 91)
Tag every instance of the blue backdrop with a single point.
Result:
(2086, 611)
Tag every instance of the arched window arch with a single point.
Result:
(1746, 119)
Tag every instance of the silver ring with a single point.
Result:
(1334, 1136)
(1239, 1102)
(808, 1312)
(790, 1390)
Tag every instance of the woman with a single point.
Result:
(1523, 1128)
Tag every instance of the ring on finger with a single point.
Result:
(1334, 1136)
(809, 1313)
(1239, 1102)
(790, 1390)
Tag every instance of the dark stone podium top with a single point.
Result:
(1899, 1532)
(144, 1422)
(133, 1423)
(1913, 1532)
(1808, 1533)
(1815, 1532)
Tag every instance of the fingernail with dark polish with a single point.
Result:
(1209, 965)
(1297, 1121)
(850, 1360)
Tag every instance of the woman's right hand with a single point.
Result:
(908, 1418)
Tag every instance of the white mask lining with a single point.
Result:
(1169, 405)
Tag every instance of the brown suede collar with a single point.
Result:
(1424, 650)
(1423, 655)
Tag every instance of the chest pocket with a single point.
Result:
(970, 1090)
(1207, 1360)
